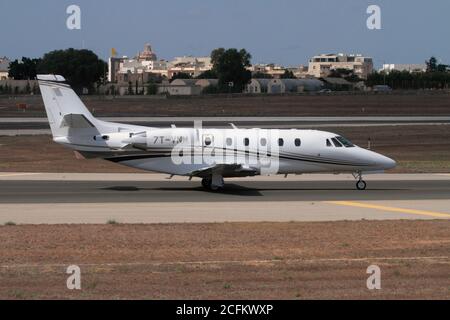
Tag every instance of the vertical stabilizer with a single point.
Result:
(66, 113)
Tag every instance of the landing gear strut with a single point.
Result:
(214, 182)
(206, 183)
(361, 184)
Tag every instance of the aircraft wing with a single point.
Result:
(225, 170)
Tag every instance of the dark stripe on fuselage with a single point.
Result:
(160, 155)
(288, 156)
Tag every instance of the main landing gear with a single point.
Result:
(361, 184)
(214, 182)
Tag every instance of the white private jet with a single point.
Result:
(210, 154)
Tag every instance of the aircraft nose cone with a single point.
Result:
(387, 163)
(378, 161)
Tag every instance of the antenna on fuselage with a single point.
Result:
(233, 126)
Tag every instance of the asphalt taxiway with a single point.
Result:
(45, 198)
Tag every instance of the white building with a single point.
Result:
(135, 66)
(418, 67)
(207, 82)
(300, 71)
(147, 54)
(321, 66)
(147, 62)
(186, 87)
(181, 87)
(293, 85)
(273, 70)
(144, 62)
(194, 66)
(257, 86)
(4, 68)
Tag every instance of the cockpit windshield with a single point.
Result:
(345, 142)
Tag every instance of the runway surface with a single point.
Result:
(151, 198)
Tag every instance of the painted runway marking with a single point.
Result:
(392, 209)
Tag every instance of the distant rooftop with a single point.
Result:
(4, 64)
(339, 55)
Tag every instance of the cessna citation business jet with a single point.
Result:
(210, 154)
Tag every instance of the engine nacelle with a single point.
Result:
(114, 140)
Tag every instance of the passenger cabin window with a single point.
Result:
(246, 142)
(263, 142)
(336, 143)
(229, 141)
(329, 143)
(280, 142)
(208, 141)
(298, 142)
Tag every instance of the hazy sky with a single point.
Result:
(281, 31)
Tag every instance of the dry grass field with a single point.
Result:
(338, 104)
(228, 260)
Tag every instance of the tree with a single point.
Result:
(27, 89)
(431, 64)
(81, 68)
(261, 75)
(208, 74)
(24, 69)
(410, 80)
(130, 89)
(152, 89)
(442, 68)
(181, 75)
(35, 89)
(112, 90)
(288, 75)
(346, 74)
(155, 78)
(230, 67)
(210, 89)
(216, 55)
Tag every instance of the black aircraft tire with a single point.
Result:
(206, 183)
(361, 185)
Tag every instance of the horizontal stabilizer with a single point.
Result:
(77, 121)
(50, 77)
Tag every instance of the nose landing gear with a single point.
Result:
(360, 184)
(213, 183)
(206, 183)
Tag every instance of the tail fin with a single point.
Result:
(66, 112)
